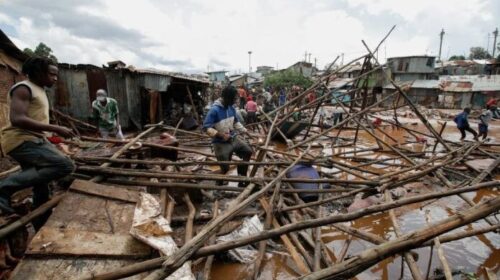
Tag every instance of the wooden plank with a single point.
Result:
(66, 242)
(71, 268)
(90, 213)
(87, 234)
(106, 191)
(479, 165)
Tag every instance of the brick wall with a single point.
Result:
(8, 78)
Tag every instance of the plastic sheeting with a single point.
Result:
(153, 229)
(249, 227)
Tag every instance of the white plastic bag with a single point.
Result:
(119, 134)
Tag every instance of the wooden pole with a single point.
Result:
(146, 144)
(122, 150)
(412, 264)
(439, 248)
(5, 231)
(192, 104)
(443, 126)
(267, 225)
(189, 176)
(210, 259)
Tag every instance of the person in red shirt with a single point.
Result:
(251, 108)
(491, 102)
(242, 93)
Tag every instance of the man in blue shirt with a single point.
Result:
(221, 123)
(463, 124)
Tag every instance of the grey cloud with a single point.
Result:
(218, 63)
(64, 14)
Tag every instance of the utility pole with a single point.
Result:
(309, 60)
(249, 61)
(305, 56)
(440, 43)
(315, 63)
(495, 34)
(342, 61)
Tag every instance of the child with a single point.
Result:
(463, 124)
(485, 119)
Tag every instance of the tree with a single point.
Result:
(41, 50)
(457, 57)
(287, 78)
(479, 53)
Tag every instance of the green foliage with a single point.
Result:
(287, 78)
(457, 57)
(41, 50)
(479, 53)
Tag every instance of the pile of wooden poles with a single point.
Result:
(351, 170)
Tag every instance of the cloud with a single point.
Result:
(190, 35)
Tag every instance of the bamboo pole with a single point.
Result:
(186, 163)
(190, 176)
(190, 220)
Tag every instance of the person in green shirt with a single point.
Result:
(105, 113)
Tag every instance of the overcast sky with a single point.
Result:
(195, 35)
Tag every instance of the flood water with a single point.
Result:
(469, 255)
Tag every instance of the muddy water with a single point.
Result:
(470, 255)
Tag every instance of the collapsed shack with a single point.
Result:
(388, 194)
(144, 96)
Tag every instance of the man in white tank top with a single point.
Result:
(24, 140)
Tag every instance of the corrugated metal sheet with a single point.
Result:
(424, 84)
(339, 83)
(476, 82)
(72, 94)
(156, 82)
(167, 73)
(96, 80)
(134, 102)
(117, 89)
(456, 86)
